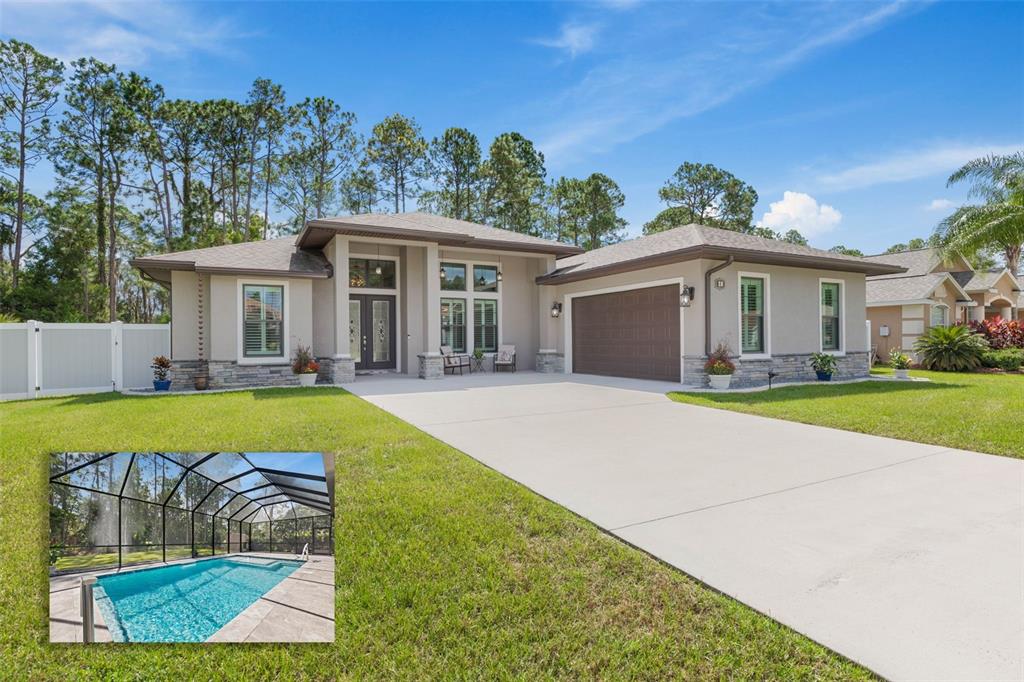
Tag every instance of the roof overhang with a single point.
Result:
(1014, 284)
(317, 233)
(159, 270)
(914, 301)
(719, 253)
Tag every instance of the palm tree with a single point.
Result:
(998, 222)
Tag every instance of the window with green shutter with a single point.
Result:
(485, 325)
(752, 315)
(263, 321)
(830, 331)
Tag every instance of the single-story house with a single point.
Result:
(384, 293)
(930, 293)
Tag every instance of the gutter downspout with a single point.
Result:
(707, 302)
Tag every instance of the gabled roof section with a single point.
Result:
(427, 227)
(277, 257)
(908, 290)
(918, 261)
(987, 279)
(699, 241)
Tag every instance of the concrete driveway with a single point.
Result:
(907, 558)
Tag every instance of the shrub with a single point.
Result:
(823, 362)
(1000, 333)
(161, 367)
(304, 362)
(950, 349)
(898, 359)
(1009, 359)
(720, 362)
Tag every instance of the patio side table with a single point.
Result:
(478, 364)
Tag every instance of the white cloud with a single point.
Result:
(129, 34)
(665, 65)
(901, 166)
(574, 39)
(801, 212)
(939, 205)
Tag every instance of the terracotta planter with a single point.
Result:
(202, 383)
(720, 381)
(307, 379)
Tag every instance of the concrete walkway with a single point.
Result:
(907, 558)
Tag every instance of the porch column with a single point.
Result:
(549, 358)
(1006, 312)
(430, 359)
(977, 313)
(344, 369)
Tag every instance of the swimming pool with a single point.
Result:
(185, 602)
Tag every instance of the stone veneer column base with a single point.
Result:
(550, 362)
(431, 366)
(229, 374)
(184, 372)
(788, 369)
(339, 370)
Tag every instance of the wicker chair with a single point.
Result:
(454, 361)
(505, 357)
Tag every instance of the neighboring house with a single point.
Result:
(384, 292)
(903, 306)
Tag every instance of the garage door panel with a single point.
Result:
(629, 334)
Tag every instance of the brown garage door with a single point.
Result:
(628, 334)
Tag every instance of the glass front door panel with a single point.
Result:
(355, 330)
(381, 331)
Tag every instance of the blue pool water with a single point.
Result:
(186, 602)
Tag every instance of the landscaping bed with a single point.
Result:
(445, 569)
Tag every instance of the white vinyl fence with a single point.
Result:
(40, 359)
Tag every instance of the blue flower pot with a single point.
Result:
(824, 376)
(161, 385)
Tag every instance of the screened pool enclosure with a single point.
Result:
(119, 508)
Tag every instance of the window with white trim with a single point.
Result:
(485, 325)
(453, 324)
(263, 320)
(939, 315)
(752, 315)
(830, 316)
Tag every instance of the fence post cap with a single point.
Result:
(89, 580)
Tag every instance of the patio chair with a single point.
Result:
(305, 553)
(506, 357)
(454, 361)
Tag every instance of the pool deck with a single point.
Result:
(298, 609)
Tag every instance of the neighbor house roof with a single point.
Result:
(267, 257)
(987, 279)
(917, 261)
(419, 226)
(699, 241)
(907, 290)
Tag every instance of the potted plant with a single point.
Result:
(824, 365)
(305, 366)
(900, 362)
(161, 368)
(719, 367)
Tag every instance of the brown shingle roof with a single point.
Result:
(271, 257)
(420, 226)
(699, 241)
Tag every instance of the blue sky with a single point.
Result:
(846, 117)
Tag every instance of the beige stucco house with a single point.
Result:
(384, 293)
(903, 306)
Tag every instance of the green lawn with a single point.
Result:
(77, 562)
(444, 567)
(982, 412)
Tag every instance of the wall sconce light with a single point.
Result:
(685, 296)
(556, 309)
(719, 283)
(499, 275)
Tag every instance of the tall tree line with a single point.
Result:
(140, 173)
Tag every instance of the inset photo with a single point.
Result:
(191, 547)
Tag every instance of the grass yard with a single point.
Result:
(444, 567)
(982, 412)
(82, 561)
